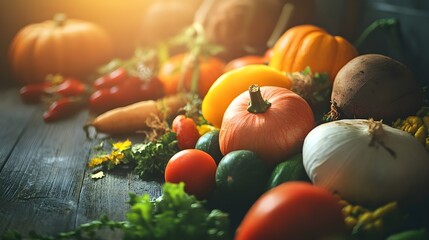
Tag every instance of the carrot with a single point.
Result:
(132, 118)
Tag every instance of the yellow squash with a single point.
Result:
(232, 83)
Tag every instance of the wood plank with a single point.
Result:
(109, 196)
(14, 118)
(41, 180)
(44, 182)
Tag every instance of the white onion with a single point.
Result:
(367, 162)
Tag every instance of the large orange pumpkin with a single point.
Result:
(308, 45)
(60, 46)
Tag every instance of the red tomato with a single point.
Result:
(293, 210)
(197, 169)
(186, 130)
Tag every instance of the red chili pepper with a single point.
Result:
(120, 95)
(63, 108)
(101, 101)
(33, 93)
(151, 90)
(111, 79)
(186, 130)
(69, 87)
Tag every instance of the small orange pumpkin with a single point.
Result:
(63, 46)
(173, 70)
(310, 46)
(270, 121)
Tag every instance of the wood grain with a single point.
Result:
(45, 185)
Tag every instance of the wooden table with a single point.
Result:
(45, 184)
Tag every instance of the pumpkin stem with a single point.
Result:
(257, 104)
(59, 19)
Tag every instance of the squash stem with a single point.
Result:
(257, 104)
(60, 19)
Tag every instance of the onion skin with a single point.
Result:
(344, 158)
(375, 86)
(275, 134)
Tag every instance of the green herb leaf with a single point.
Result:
(175, 214)
(151, 158)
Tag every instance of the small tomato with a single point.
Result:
(197, 169)
(186, 130)
(293, 210)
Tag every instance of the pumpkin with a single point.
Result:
(310, 46)
(271, 121)
(175, 68)
(246, 27)
(63, 46)
(232, 83)
(162, 20)
(248, 60)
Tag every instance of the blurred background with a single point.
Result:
(132, 23)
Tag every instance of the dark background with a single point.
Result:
(409, 43)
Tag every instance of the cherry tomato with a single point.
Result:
(33, 93)
(186, 130)
(111, 79)
(293, 210)
(197, 169)
(63, 108)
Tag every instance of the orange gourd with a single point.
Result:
(310, 46)
(173, 70)
(270, 121)
(60, 46)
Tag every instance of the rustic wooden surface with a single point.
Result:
(45, 185)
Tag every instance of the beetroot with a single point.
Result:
(375, 86)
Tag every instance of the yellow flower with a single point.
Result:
(115, 157)
(95, 161)
(121, 146)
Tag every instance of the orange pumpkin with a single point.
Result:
(173, 70)
(270, 121)
(308, 45)
(60, 46)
